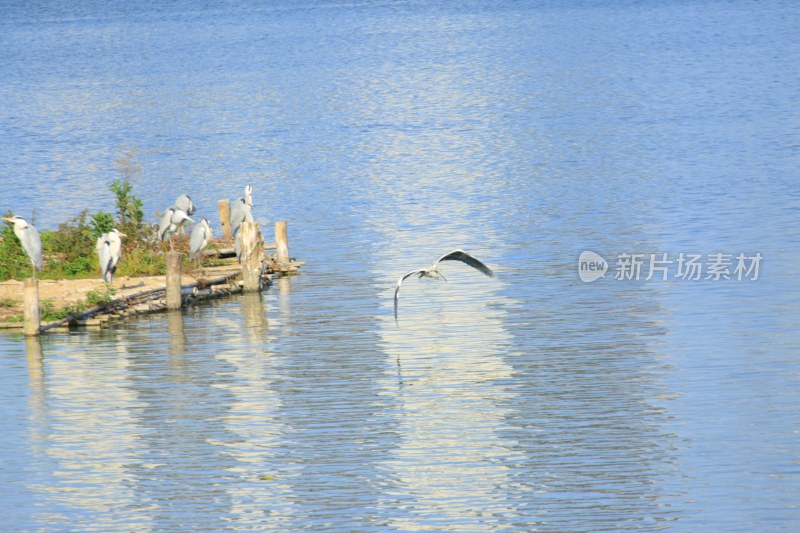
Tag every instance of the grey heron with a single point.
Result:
(170, 222)
(29, 237)
(242, 210)
(109, 250)
(185, 203)
(433, 270)
(237, 247)
(199, 237)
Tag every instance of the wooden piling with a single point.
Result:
(224, 207)
(30, 301)
(252, 251)
(281, 243)
(173, 280)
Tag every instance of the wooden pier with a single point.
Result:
(260, 262)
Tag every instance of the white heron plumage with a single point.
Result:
(170, 221)
(185, 203)
(433, 270)
(199, 237)
(242, 210)
(109, 251)
(28, 236)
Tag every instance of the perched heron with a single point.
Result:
(433, 270)
(199, 237)
(185, 203)
(29, 237)
(242, 210)
(170, 221)
(109, 250)
(237, 247)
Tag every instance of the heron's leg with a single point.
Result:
(441, 275)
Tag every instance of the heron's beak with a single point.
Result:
(8, 219)
(122, 234)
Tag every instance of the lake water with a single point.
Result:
(387, 133)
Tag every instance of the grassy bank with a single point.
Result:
(69, 251)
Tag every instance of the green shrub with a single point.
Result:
(49, 313)
(142, 261)
(101, 296)
(130, 214)
(70, 250)
(101, 223)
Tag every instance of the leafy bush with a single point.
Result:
(101, 223)
(142, 261)
(101, 296)
(49, 313)
(130, 214)
(70, 249)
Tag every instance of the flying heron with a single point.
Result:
(109, 250)
(170, 221)
(29, 237)
(433, 270)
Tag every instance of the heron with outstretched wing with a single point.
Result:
(433, 270)
(170, 221)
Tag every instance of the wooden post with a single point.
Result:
(174, 280)
(281, 243)
(224, 207)
(30, 302)
(252, 250)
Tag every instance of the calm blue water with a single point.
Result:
(388, 133)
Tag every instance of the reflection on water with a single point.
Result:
(85, 425)
(452, 375)
(177, 338)
(33, 350)
(284, 286)
(254, 316)
(388, 134)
